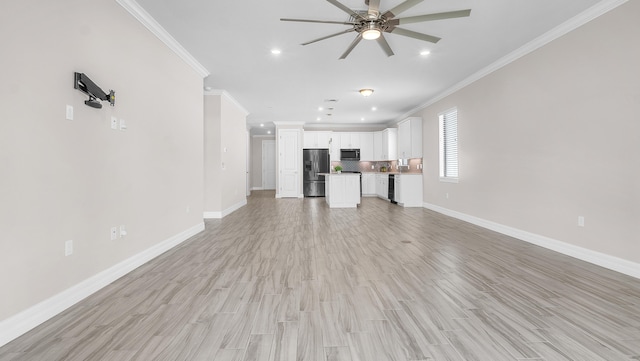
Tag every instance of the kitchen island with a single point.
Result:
(342, 190)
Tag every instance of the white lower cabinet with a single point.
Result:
(382, 186)
(408, 190)
(369, 184)
(342, 190)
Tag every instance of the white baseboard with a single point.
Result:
(28, 319)
(257, 188)
(601, 259)
(226, 212)
(212, 215)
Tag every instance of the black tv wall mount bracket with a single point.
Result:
(82, 82)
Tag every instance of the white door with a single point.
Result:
(268, 164)
(289, 162)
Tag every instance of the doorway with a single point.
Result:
(268, 164)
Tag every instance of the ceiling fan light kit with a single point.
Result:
(372, 23)
(372, 32)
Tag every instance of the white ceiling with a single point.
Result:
(233, 40)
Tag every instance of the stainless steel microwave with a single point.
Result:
(349, 154)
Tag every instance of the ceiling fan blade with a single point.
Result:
(431, 17)
(346, 9)
(384, 45)
(350, 48)
(374, 7)
(319, 21)
(415, 35)
(328, 36)
(390, 14)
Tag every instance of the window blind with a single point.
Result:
(449, 143)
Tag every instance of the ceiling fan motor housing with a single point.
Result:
(371, 23)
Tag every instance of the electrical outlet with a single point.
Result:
(114, 123)
(114, 233)
(68, 248)
(580, 221)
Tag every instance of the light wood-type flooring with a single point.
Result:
(290, 279)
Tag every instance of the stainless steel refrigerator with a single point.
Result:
(315, 161)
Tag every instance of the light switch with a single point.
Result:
(68, 248)
(123, 124)
(69, 112)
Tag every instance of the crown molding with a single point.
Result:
(577, 21)
(281, 123)
(224, 93)
(346, 127)
(152, 25)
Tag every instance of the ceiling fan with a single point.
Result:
(370, 24)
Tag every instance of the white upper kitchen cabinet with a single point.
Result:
(316, 140)
(349, 140)
(410, 138)
(334, 146)
(366, 146)
(389, 149)
(377, 146)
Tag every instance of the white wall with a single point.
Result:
(553, 136)
(213, 154)
(225, 155)
(75, 179)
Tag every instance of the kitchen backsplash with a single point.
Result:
(413, 166)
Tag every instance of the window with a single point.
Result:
(448, 131)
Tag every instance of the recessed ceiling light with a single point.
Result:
(362, 119)
(425, 52)
(262, 125)
(268, 132)
(276, 51)
(373, 109)
(318, 119)
(320, 109)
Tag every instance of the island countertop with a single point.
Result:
(332, 174)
